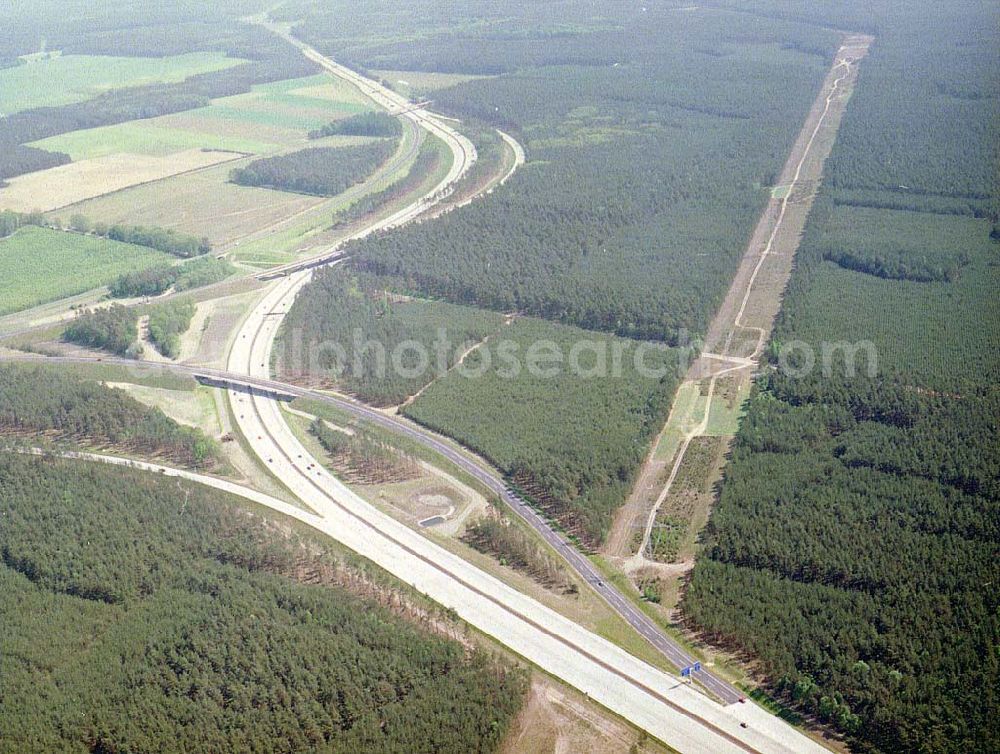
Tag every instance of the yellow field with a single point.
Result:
(68, 184)
(140, 172)
(200, 204)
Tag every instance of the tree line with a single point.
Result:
(323, 171)
(167, 240)
(153, 281)
(163, 239)
(375, 123)
(46, 402)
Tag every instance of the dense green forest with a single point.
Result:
(362, 124)
(344, 330)
(897, 245)
(113, 328)
(650, 156)
(466, 36)
(106, 649)
(547, 404)
(324, 171)
(167, 322)
(182, 277)
(853, 550)
(42, 401)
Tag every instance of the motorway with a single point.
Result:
(655, 701)
(464, 156)
(271, 390)
(651, 699)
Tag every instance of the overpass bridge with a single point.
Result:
(251, 387)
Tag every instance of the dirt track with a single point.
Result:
(754, 297)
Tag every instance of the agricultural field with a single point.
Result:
(270, 119)
(202, 203)
(38, 265)
(263, 120)
(49, 80)
(158, 137)
(296, 105)
(78, 181)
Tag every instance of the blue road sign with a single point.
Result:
(697, 666)
(686, 671)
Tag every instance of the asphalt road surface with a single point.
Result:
(653, 700)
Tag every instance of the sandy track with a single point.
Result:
(750, 296)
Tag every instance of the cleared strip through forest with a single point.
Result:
(781, 226)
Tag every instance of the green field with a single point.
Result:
(280, 111)
(143, 137)
(39, 265)
(61, 80)
(296, 104)
(726, 409)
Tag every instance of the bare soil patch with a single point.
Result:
(557, 719)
